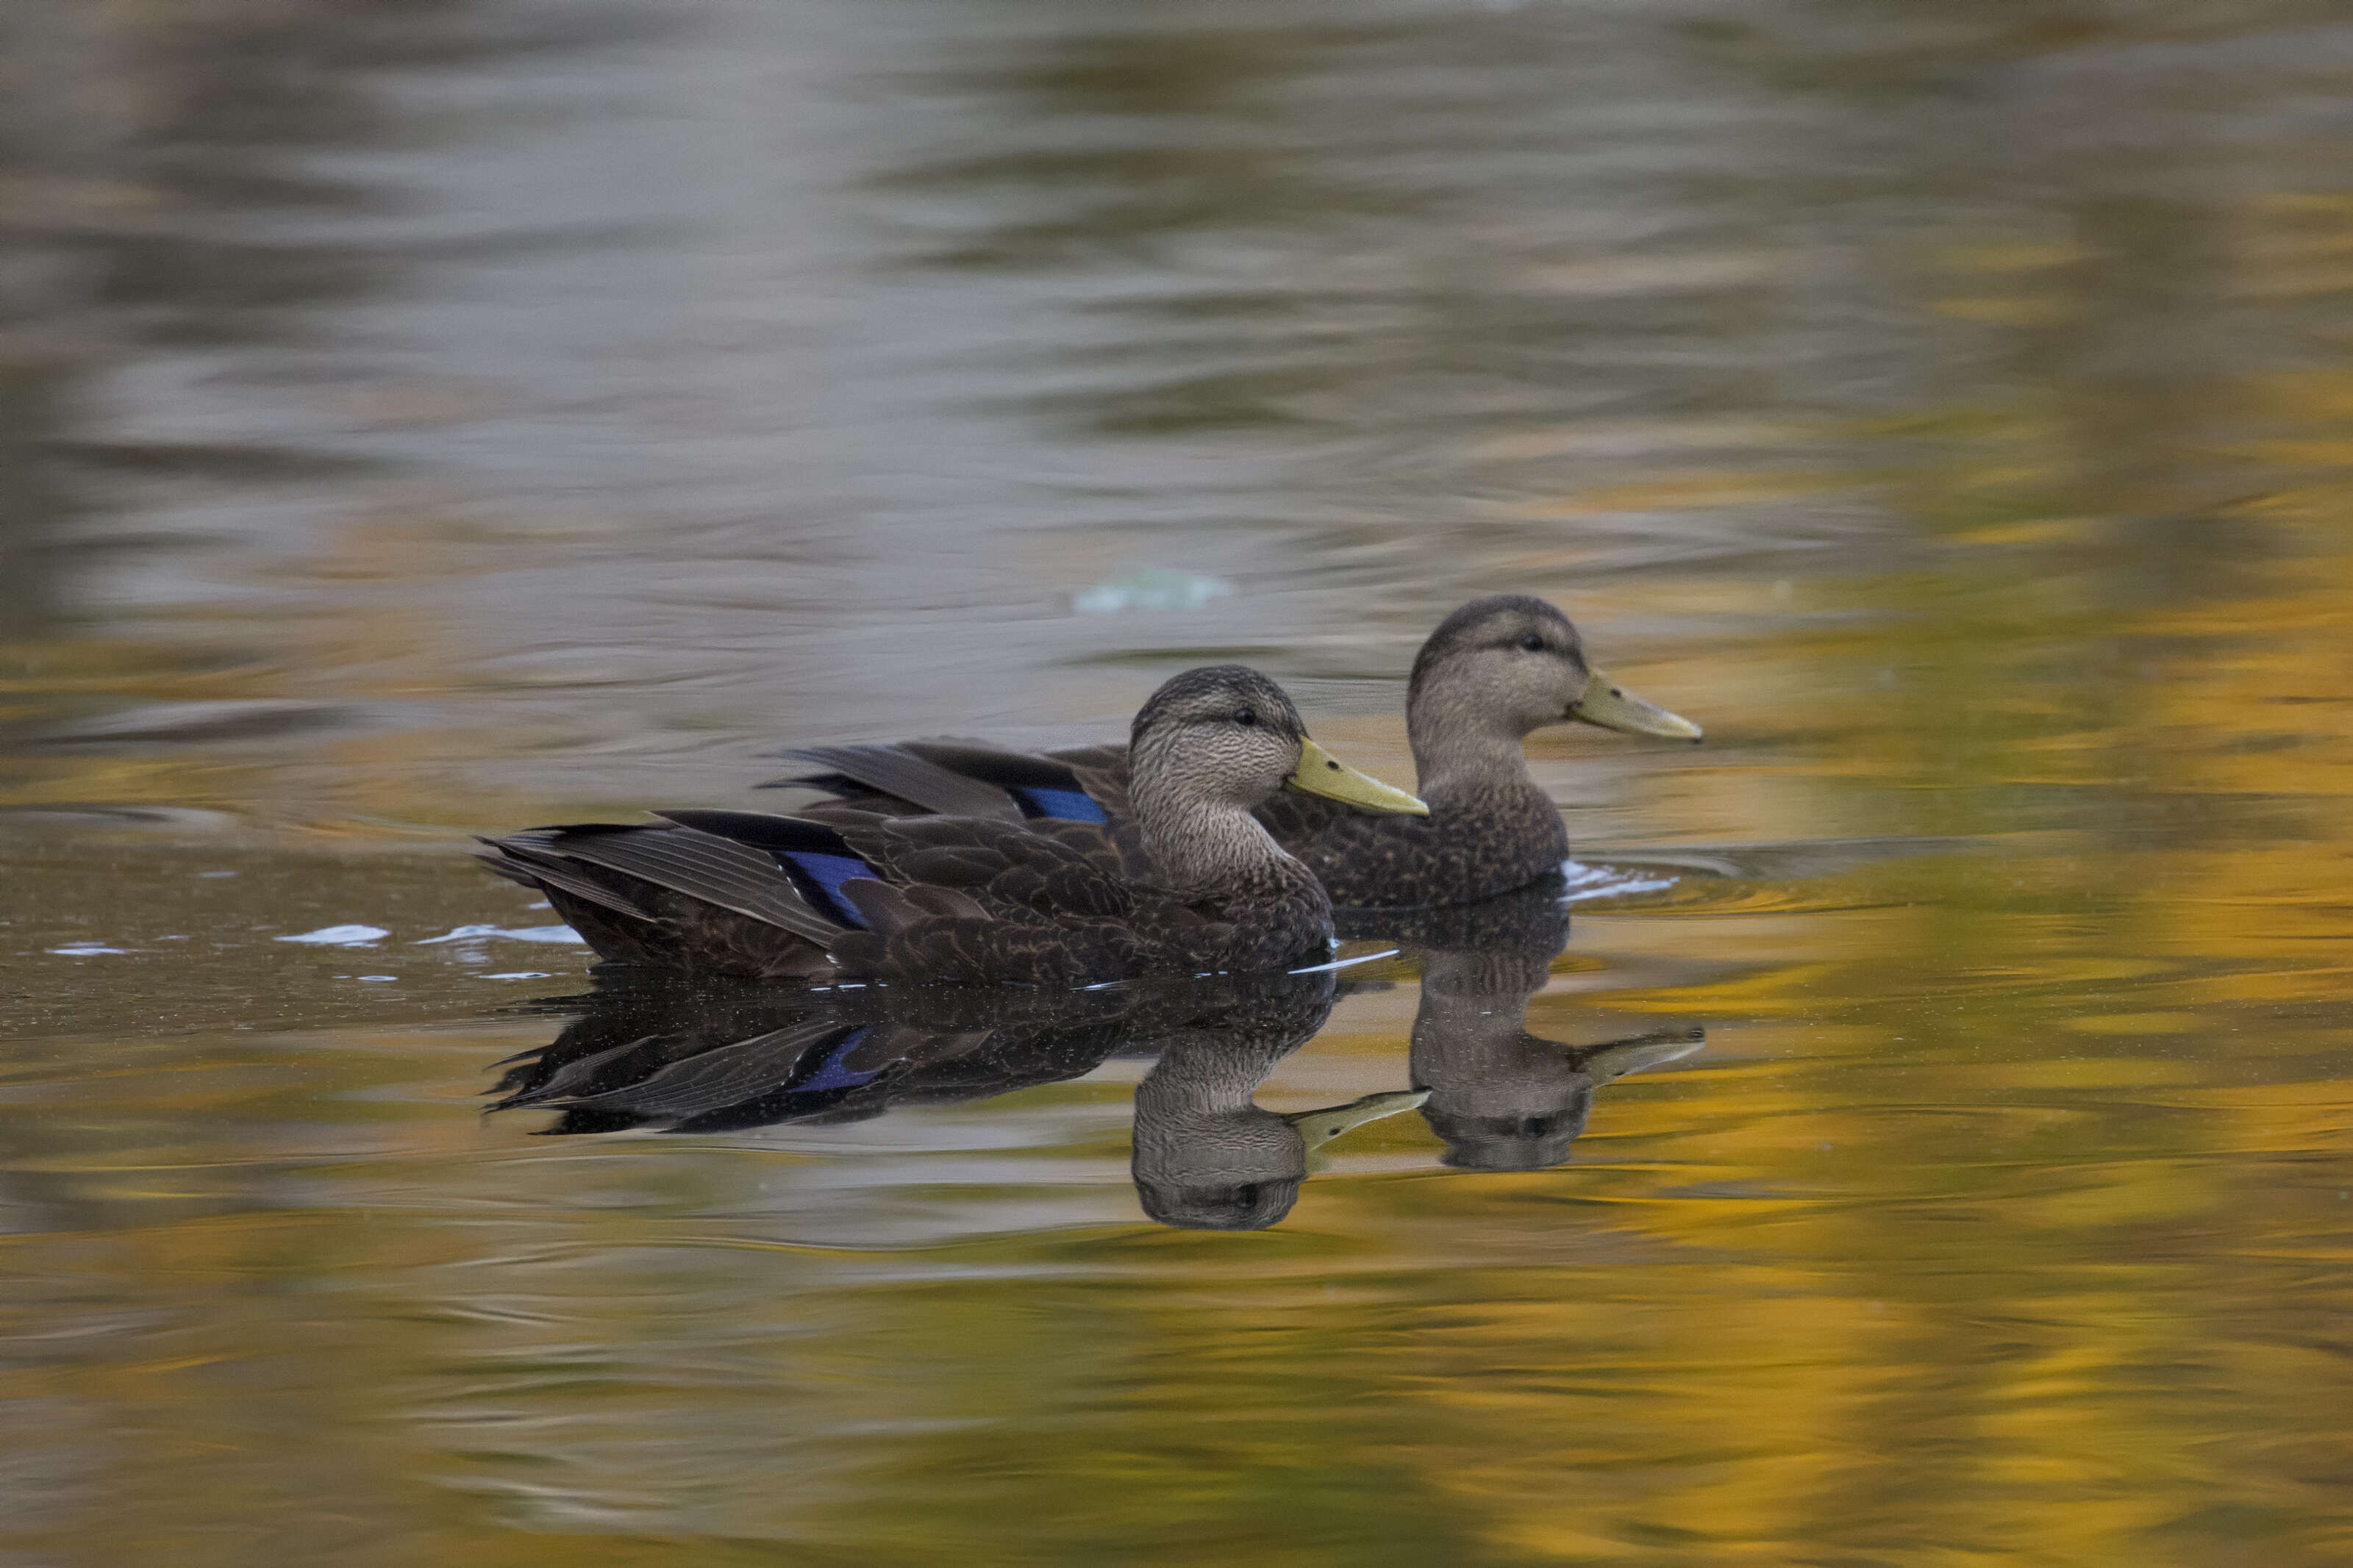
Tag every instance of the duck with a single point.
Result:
(1492, 673)
(1188, 881)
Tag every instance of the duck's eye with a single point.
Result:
(1246, 717)
(1532, 643)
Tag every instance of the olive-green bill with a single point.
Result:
(1321, 773)
(1317, 1128)
(1613, 706)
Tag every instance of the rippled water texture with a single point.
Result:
(440, 416)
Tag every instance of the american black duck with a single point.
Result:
(1187, 882)
(1493, 671)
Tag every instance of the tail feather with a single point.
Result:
(536, 869)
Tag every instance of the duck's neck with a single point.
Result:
(1200, 848)
(1461, 757)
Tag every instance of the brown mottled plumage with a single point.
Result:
(1187, 882)
(1493, 671)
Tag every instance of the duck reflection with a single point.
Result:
(1502, 1099)
(678, 1061)
(699, 1060)
(1206, 1156)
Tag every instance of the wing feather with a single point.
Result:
(905, 772)
(704, 865)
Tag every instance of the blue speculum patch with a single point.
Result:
(832, 1074)
(830, 872)
(1067, 805)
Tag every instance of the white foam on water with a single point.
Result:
(339, 936)
(86, 949)
(558, 933)
(1586, 883)
(1150, 588)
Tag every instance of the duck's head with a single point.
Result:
(1225, 734)
(1514, 663)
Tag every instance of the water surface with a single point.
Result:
(442, 417)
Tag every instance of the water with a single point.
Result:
(443, 418)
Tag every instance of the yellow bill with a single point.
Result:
(1321, 773)
(1613, 706)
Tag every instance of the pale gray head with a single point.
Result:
(1513, 659)
(1226, 736)
(1222, 733)
(1499, 668)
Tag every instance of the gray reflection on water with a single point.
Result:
(644, 1054)
(703, 1062)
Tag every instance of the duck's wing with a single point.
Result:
(716, 894)
(982, 899)
(1100, 775)
(774, 869)
(946, 777)
(1044, 869)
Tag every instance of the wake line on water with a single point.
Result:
(1585, 884)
